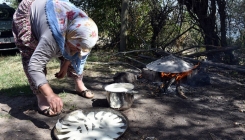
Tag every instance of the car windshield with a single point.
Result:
(6, 17)
(6, 12)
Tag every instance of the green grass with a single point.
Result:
(13, 81)
(12, 78)
(63, 95)
(5, 116)
(100, 56)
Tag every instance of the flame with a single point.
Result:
(178, 76)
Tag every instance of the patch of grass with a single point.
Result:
(100, 56)
(5, 116)
(13, 81)
(63, 95)
(12, 77)
(70, 107)
(73, 107)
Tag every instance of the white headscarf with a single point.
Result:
(82, 33)
(70, 24)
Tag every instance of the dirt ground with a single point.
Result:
(211, 112)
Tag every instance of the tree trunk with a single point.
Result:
(222, 12)
(204, 12)
(158, 16)
(124, 16)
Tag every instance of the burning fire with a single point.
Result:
(178, 76)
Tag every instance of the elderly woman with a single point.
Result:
(44, 29)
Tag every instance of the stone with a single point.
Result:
(150, 75)
(124, 77)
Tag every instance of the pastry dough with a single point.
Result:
(100, 126)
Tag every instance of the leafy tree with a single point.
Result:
(205, 12)
(12, 3)
(106, 14)
(160, 11)
(139, 29)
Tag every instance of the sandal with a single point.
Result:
(84, 93)
(46, 111)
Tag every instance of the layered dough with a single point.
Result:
(100, 126)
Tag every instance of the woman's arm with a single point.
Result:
(63, 69)
(41, 56)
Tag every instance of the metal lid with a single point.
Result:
(119, 87)
(169, 64)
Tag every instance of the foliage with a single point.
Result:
(167, 24)
(139, 29)
(12, 3)
(236, 24)
(106, 14)
(161, 21)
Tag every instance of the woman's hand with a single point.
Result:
(53, 100)
(55, 103)
(63, 70)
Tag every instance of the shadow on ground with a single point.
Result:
(211, 112)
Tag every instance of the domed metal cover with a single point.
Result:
(169, 64)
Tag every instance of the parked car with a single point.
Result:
(6, 35)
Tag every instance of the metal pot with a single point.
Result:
(120, 96)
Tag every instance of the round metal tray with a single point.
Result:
(123, 118)
(170, 64)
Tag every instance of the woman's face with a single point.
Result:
(73, 48)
